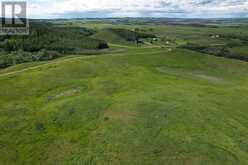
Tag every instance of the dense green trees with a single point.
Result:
(50, 37)
(132, 35)
(46, 41)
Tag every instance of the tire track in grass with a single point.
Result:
(70, 59)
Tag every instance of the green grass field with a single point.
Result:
(138, 106)
(242, 50)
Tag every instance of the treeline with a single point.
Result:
(18, 57)
(232, 40)
(240, 37)
(46, 41)
(133, 36)
(194, 25)
(49, 37)
(222, 51)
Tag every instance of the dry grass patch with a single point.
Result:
(124, 116)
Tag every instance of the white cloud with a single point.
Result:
(138, 8)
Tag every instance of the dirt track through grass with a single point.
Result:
(68, 59)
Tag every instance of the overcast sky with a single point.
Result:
(137, 8)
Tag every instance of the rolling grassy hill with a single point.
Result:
(142, 106)
(215, 40)
(109, 36)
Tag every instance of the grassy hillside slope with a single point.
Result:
(225, 41)
(109, 36)
(144, 106)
